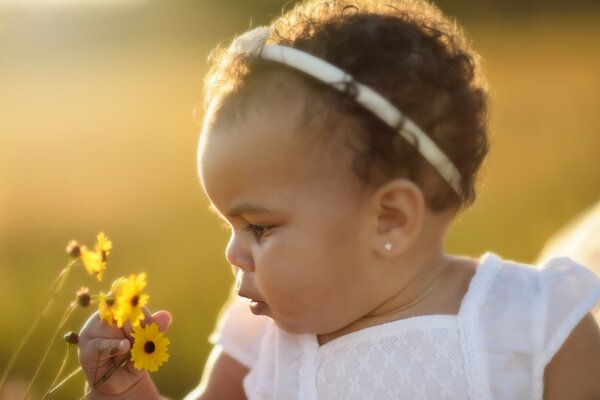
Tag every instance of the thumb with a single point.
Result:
(163, 319)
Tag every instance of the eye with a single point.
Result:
(258, 230)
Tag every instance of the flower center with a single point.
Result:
(149, 347)
(135, 300)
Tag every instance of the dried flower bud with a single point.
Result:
(83, 297)
(71, 337)
(74, 249)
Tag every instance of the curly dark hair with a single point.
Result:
(406, 50)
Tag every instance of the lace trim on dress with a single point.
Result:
(470, 335)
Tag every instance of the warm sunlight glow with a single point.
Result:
(71, 3)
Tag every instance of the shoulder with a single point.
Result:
(507, 283)
(560, 280)
(508, 310)
(572, 338)
(568, 292)
(538, 321)
(536, 308)
(573, 371)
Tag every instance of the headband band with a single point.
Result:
(253, 42)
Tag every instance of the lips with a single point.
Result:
(257, 307)
(248, 296)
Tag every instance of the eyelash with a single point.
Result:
(257, 230)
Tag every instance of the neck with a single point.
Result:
(407, 300)
(409, 285)
(401, 295)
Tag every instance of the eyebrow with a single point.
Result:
(242, 208)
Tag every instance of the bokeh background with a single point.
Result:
(97, 133)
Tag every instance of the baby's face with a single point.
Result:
(299, 230)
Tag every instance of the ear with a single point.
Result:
(398, 211)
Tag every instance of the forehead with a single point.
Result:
(263, 153)
(255, 138)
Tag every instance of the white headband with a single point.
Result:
(253, 42)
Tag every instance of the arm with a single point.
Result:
(573, 372)
(222, 378)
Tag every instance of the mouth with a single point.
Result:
(257, 307)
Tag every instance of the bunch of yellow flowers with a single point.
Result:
(122, 304)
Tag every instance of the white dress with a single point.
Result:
(511, 322)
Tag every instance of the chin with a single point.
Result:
(292, 328)
(300, 329)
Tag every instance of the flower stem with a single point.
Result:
(60, 371)
(49, 297)
(71, 375)
(107, 375)
(64, 318)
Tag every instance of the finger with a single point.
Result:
(108, 348)
(128, 328)
(163, 319)
(94, 327)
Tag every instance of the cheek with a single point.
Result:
(303, 273)
(288, 272)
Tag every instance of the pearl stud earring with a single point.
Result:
(388, 246)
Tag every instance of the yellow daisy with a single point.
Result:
(106, 306)
(130, 300)
(93, 263)
(103, 244)
(149, 349)
(95, 260)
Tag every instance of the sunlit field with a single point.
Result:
(100, 135)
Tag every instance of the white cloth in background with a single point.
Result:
(579, 240)
(512, 321)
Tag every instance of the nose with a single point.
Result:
(239, 255)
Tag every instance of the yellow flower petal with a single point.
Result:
(105, 310)
(103, 244)
(93, 262)
(130, 300)
(106, 307)
(117, 285)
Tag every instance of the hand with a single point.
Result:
(101, 347)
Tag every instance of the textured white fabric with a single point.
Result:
(238, 331)
(511, 322)
(414, 358)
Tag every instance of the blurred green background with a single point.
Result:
(97, 133)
